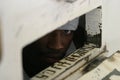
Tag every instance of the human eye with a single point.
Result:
(68, 31)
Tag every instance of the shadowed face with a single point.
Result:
(54, 45)
(46, 51)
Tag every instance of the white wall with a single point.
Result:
(111, 25)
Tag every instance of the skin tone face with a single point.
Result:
(46, 51)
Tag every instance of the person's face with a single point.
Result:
(53, 46)
(46, 51)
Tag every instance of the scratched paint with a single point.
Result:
(94, 26)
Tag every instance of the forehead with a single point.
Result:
(70, 25)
